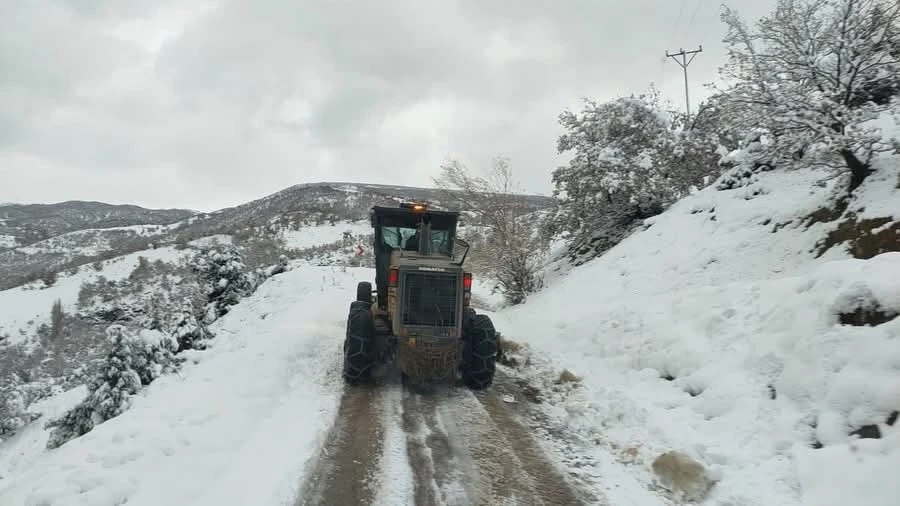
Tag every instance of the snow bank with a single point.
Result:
(236, 426)
(713, 334)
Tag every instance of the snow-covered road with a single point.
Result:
(446, 446)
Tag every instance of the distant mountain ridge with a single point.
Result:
(77, 233)
(31, 223)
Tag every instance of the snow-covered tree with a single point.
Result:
(812, 75)
(513, 249)
(619, 147)
(630, 160)
(188, 331)
(227, 277)
(134, 361)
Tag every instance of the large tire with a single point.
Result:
(480, 353)
(364, 292)
(359, 344)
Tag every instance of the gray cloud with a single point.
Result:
(162, 104)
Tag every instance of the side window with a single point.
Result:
(439, 241)
(391, 237)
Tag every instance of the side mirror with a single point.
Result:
(460, 250)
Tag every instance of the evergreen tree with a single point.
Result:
(227, 279)
(189, 333)
(133, 362)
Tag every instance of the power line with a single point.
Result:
(678, 20)
(684, 62)
(694, 15)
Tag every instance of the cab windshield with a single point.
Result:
(406, 238)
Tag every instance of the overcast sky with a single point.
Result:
(206, 105)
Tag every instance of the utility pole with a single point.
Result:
(684, 62)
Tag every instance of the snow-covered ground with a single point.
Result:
(92, 241)
(308, 237)
(236, 426)
(711, 334)
(24, 308)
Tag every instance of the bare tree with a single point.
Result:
(512, 250)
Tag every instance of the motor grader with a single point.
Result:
(418, 318)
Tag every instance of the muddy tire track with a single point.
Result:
(509, 467)
(461, 448)
(432, 456)
(470, 448)
(346, 470)
(548, 477)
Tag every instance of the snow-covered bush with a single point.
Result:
(226, 277)
(147, 298)
(134, 361)
(277, 268)
(13, 405)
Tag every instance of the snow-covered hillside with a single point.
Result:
(323, 291)
(65, 246)
(241, 419)
(25, 308)
(92, 241)
(717, 332)
(29, 223)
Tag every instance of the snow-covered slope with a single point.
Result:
(25, 308)
(92, 241)
(245, 415)
(86, 237)
(715, 332)
(308, 237)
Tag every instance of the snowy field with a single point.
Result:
(236, 427)
(720, 338)
(25, 308)
(308, 237)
